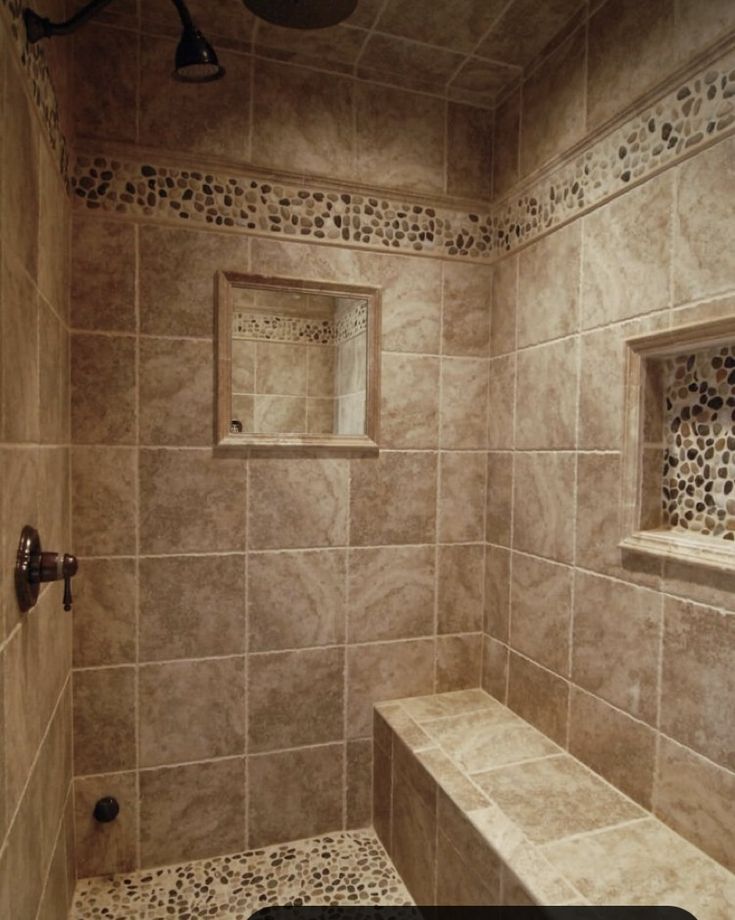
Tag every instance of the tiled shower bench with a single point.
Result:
(475, 806)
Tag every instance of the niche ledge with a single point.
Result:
(678, 485)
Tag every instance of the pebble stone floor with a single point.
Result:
(340, 869)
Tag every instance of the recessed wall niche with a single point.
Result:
(679, 452)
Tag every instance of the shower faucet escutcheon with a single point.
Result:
(34, 566)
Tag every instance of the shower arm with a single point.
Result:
(38, 27)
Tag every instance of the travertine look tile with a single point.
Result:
(546, 397)
(102, 389)
(506, 144)
(697, 682)
(703, 586)
(53, 378)
(54, 506)
(176, 392)
(497, 592)
(295, 698)
(393, 499)
(627, 246)
(280, 369)
(494, 667)
(553, 104)
(548, 286)
(358, 802)
(617, 635)
(697, 799)
(54, 222)
(463, 832)
(177, 269)
(106, 106)
(103, 275)
(243, 366)
(469, 151)
(104, 612)
(696, 29)
(382, 793)
(409, 389)
(104, 849)
(298, 503)
(391, 593)
(499, 498)
(19, 400)
(385, 671)
(461, 497)
(414, 829)
(438, 705)
(461, 574)
(21, 877)
(541, 610)
(468, 290)
(703, 262)
(191, 710)
(296, 600)
(542, 518)
(172, 482)
(399, 138)
(501, 403)
(539, 697)
(191, 607)
(458, 662)
(456, 884)
(411, 315)
(21, 716)
(104, 720)
(192, 811)
(464, 400)
(504, 306)
(276, 414)
(556, 797)
(619, 748)
(103, 500)
(295, 794)
(601, 391)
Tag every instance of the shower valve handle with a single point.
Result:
(34, 566)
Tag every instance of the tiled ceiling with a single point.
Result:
(466, 50)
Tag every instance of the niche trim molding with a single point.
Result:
(643, 528)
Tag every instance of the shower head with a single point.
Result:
(302, 14)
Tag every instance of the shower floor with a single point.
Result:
(349, 867)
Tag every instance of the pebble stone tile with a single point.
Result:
(341, 869)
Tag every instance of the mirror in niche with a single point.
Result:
(297, 363)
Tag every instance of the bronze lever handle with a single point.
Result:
(34, 566)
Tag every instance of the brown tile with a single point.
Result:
(385, 671)
(620, 749)
(546, 400)
(276, 414)
(106, 106)
(457, 28)
(697, 798)
(553, 116)
(176, 392)
(53, 234)
(391, 593)
(694, 583)
(466, 316)
(499, 498)
(191, 607)
(103, 501)
(411, 302)
(469, 151)
(104, 720)
(295, 698)
(481, 81)
(102, 389)
(458, 662)
(601, 378)
(506, 144)
(617, 636)
(296, 600)
(21, 872)
(177, 269)
(104, 612)
(21, 716)
(458, 885)
(702, 264)
(497, 592)
(399, 138)
(393, 499)
(409, 416)
(54, 904)
(54, 507)
(53, 378)
(103, 275)
(227, 22)
(524, 29)
(541, 610)
(191, 710)
(243, 366)
(382, 793)
(461, 575)
(539, 697)
(296, 503)
(414, 833)
(295, 794)
(462, 497)
(464, 400)
(697, 30)
(333, 48)
(359, 794)
(191, 812)
(172, 483)
(697, 681)
(504, 306)
(627, 254)
(501, 403)
(541, 515)
(104, 849)
(19, 402)
(556, 797)
(169, 109)
(280, 369)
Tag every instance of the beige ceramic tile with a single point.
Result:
(243, 366)
(103, 389)
(468, 291)
(414, 831)
(391, 593)
(103, 501)
(497, 592)
(280, 369)
(277, 414)
(546, 397)
(464, 399)
(539, 697)
(504, 306)
(501, 403)
(103, 275)
(458, 885)
(524, 29)
(53, 378)
(499, 498)
(458, 662)
(467, 837)
(461, 576)
(462, 497)
(295, 698)
(104, 849)
(506, 144)
(556, 797)
(104, 697)
(19, 399)
(469, 151)
(601, 391)
(541, 609)
(541, 516)
(104, 612)
(495, 668)
(191, 607)
(53, 234)
(295, 794)
(439, 705)
(409, 416)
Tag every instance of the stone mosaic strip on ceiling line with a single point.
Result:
(685, 120)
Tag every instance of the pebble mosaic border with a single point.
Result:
(270, 327)
(688, 118)
(345, 868)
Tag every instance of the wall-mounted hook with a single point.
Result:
(34, 566)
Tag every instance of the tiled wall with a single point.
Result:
(36, 819)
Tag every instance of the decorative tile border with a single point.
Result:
(303, 330)
(686, 119)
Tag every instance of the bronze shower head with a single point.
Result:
(302, 14)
